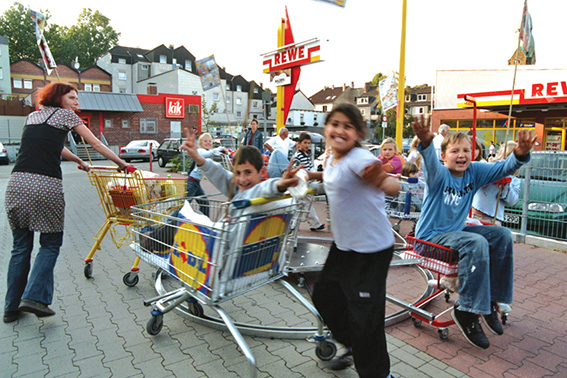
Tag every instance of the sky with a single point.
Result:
(357, 41)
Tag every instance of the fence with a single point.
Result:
(542, 209)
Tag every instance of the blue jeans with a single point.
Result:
(37, 285)
(194, 189)
(486, 265)
(277, 163)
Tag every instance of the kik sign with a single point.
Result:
(292, 55)
(174, 108)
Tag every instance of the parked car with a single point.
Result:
(139, 149)
(547, 207)
(3, 155)
(227, 142)
(167, 150)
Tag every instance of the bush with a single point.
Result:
(176, 164)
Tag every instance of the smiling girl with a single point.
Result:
(351, 291)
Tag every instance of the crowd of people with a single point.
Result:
(350, 293)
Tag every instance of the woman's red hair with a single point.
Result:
(51, 94)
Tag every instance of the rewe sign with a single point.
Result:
(174, 108)
(292, 55)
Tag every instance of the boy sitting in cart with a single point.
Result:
(485, 252)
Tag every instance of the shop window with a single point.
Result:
(148, 125)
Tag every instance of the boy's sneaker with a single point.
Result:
(470, 327)
(342, 362)
(492, 321)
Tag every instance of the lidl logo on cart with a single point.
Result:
(262, 245)
(192, 254)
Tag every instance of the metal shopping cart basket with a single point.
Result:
(118, 192)
(217, 258)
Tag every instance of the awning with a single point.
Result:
(109, 102)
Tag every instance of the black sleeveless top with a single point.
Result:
(40, 149)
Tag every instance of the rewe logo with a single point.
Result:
(174, 108)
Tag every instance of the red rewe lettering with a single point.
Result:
(537, 90)
(284, 57)
(302, 52)
(564, 87)
(552, 89)
(276, 59)
(292, 54)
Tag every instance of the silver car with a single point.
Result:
(139, 149)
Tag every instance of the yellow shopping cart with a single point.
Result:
(118, 192)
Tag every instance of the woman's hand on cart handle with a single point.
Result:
(127, 169)
(84, 166)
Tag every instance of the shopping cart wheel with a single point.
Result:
(443, 333)
(504, 318)
(196, 309)
(131, 279)
(155, 324)
(326, 350)
(88, 271)
(416, 322)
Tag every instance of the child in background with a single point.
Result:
(416, 189)
(194, 179)
(391, 159)
(302, 158)
(485, 252)
(414, 156)
(488, 203)
(350, 293)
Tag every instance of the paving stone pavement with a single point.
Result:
(100, 326)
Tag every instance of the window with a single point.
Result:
(122, 90)
(88, 87)
(421, 97)
(17, 83)
(96, 87)
(122, 60)
(1, 73)
(227, 87)
(408, 98)
(239, 88)
(255, 104)
(228, 100)
(174, 62)
(107, 123)
(325, 108)
(28, 84)
(121, 75)
(238, 114)
(256, 90)
(125, 123)
(148, 125)
(188, 65)
(363, 112)
(238, 101)
(216, 96)
(144, 67)
(163, 59)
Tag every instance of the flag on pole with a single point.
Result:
(340, 3)
(526, 36)
(39, 25)
(388, 92)
(208, 72)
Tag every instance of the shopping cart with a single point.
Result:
(118, 192)
(241, 246)
(405, 207)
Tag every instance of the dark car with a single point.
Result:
(547, 206)
(167, 150)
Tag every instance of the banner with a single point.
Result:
(39, 26)
(208, 72)
(388, 92)
(526, 36)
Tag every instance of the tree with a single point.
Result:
(16, 25)
(89, 38)
(207, 113)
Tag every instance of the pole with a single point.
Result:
(402, 81)
(514, 80)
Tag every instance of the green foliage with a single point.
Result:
(87, 40)
(207, 114)
(177, 164)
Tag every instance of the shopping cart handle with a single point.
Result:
(243, 203)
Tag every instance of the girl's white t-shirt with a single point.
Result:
(357, 207)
